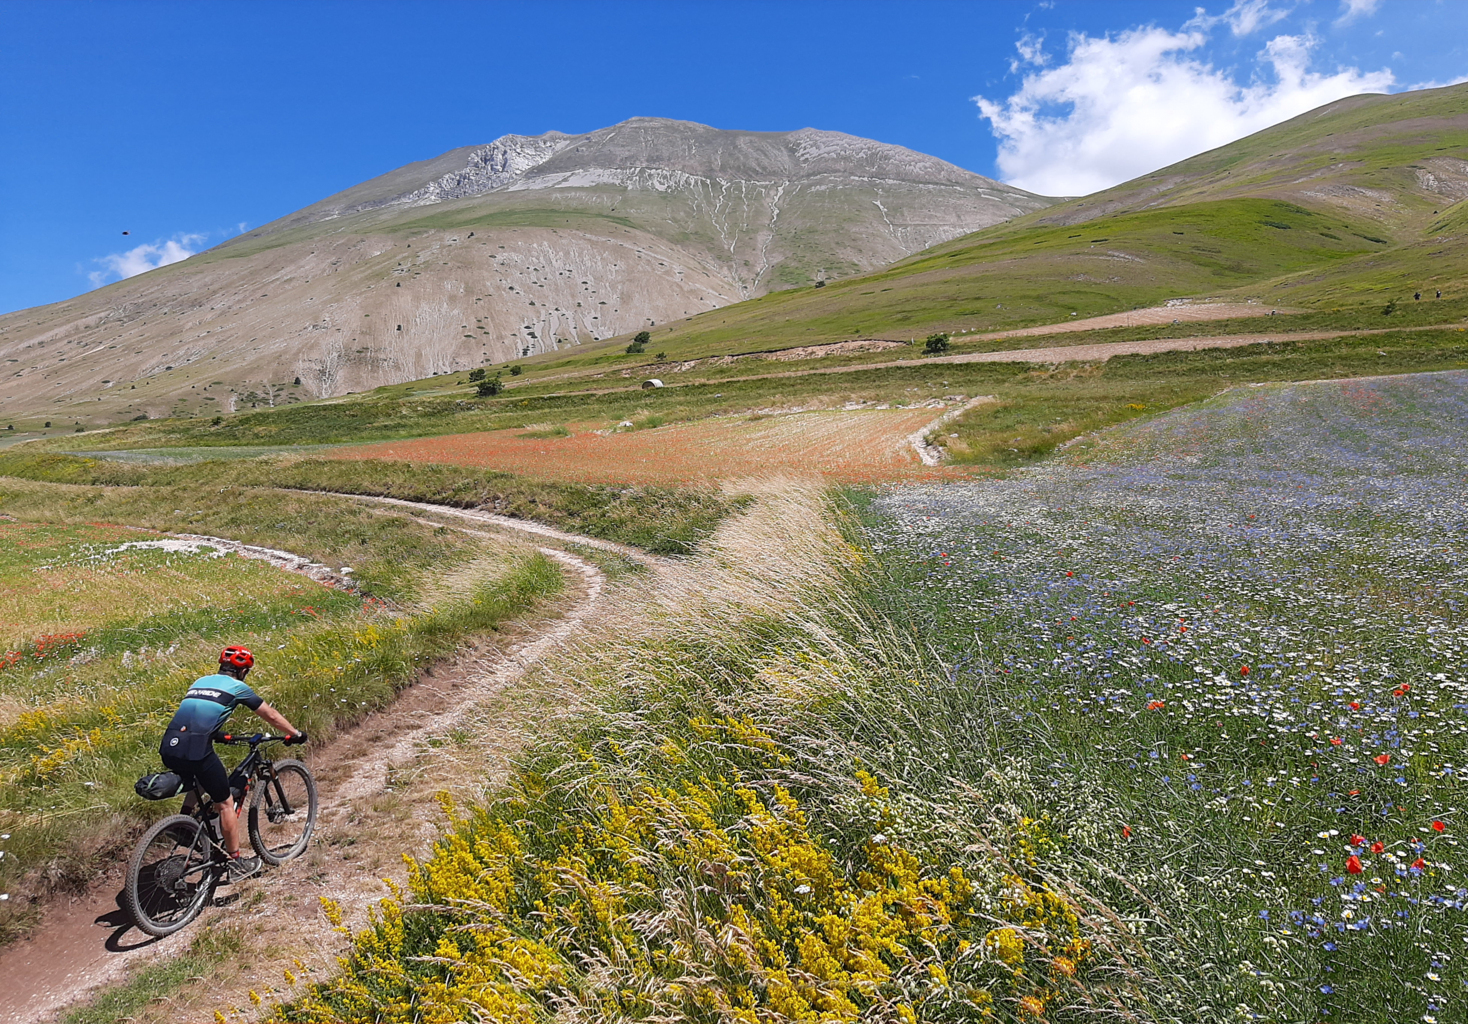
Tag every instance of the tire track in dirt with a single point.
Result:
(87, 942)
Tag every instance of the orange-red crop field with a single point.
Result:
(850, 446)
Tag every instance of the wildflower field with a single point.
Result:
(714, 841)
(1166, 729)
(103, 626)
(1222, 654)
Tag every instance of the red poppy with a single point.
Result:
(1382, 758)
(1126, 831)
(1353, 864)
(1244, 670)
(1406, 687)
(1355, 705)
(1378, 847)
(1419, 864)
(1335, 741)
(1357, 840)
(1438, 826)
(1398, 693)
(1154, 705)
(1355, 792)
(1145, 640)
(1069, 573)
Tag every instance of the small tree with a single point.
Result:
(490, 388)
(662, 357)
(477, 374)
(639, 342)
(936, 344)
(516, 370)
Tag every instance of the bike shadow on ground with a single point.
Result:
(126, 936)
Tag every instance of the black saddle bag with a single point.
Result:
(159, 786)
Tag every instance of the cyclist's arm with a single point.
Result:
(276, 719)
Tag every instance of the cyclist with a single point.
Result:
(188, 742)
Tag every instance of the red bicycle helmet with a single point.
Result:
(239, 657)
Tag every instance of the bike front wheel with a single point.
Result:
(283, 813)
(171, 876)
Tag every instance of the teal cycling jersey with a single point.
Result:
(205, 708)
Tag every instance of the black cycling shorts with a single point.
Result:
(208, 770)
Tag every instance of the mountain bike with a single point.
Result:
(180, 860)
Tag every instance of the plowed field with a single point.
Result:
(859, 446)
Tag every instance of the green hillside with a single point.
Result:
(1348, 204)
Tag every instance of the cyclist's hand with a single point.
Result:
(299, 737)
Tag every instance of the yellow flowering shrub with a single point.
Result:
(709, 896)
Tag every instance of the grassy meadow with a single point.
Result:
(660, 520)
(1169, 729)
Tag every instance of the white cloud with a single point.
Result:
(1353, 9)
(143, 258)
(1435, 84)
(1124, 105)
(1243, 18)
(1031, 51)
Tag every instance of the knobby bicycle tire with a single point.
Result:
(278, 832)
(171, 876)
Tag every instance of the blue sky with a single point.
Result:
(181, 122)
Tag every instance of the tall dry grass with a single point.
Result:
(703, 839)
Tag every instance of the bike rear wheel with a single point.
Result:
(283, 813)
(171, 876)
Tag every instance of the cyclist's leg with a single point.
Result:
(215, 780)
(211, 776)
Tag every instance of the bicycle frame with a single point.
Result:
(255, 766)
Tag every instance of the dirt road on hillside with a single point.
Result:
(1057, 354)
(377, 803)
(1149, 317)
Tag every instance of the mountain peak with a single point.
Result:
(639, 154)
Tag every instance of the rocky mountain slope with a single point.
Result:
(1358, 203)
(521, 246)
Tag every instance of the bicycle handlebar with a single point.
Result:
(254, 741)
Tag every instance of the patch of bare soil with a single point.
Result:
(1180, 313)
(377, 783)
(836, 348)
(1108, 350)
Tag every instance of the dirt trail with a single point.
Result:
(375, 807)
(1152, 315)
